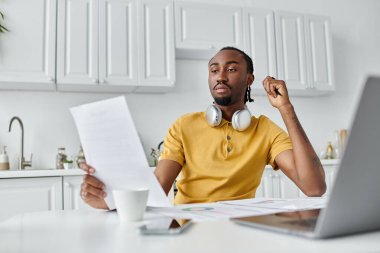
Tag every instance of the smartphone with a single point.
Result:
(165, 226)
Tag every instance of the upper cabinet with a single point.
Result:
(304, 53)
(206, 28)
(291, 53)
(319, 51)
(259, 36)
(156, 59)
(290, 46)
(131, 45)
(27, 51)
(115, 45)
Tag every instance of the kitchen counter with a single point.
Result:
(40, 173)
(78, 172)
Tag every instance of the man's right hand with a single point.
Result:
(92, 189)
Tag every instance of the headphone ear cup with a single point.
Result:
(241, 120)
(213, 115)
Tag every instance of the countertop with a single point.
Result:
(40, 173)
(76, 172)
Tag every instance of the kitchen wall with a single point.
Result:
(49, 125)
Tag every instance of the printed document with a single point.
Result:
(225, 210)
(111, 145)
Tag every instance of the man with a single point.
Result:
(221, 153)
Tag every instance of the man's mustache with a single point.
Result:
(221, 83)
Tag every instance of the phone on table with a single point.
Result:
(165, 226)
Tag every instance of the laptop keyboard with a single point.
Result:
(308, 223)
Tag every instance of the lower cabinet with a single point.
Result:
(20, 195)
(274, 184)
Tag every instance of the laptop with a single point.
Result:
(353, 205)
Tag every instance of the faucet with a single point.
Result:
(21, 163)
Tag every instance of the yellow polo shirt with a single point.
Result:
(220, 163)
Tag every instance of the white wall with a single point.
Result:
(48, 123)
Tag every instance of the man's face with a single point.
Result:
(228, 78)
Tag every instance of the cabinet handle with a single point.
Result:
(51, 79)
(67, 185)
(95, 80)
(102, 81)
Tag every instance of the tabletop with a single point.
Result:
(101, 231)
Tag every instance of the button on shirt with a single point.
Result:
(221, 163)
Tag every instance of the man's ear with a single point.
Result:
(250, 79)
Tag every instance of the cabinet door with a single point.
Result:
(77, 45)
(27, 51)
(207, 26)
(319, 53)
(291, 56)
(71, 194)
(265, 189)
(20, 195)
(260, 44)
(118, 43)
(156, 40)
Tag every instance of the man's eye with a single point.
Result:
(231, 70)
(213, 70)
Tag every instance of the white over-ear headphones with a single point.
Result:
(241, 119)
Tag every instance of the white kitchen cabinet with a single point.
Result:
(27, 51)
(19, 195)
(304, 53)
(71, 194)
(275, 184)
(156, 59)
(259, 37)
(202, 29)
(101, 46)
(77, 42)
(319, 52)
(291, 53)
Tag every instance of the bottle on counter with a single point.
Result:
(4, 160)
(61, 158)
(80, 158)
(329, 151)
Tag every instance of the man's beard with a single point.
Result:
(223, 101)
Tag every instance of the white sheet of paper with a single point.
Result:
(111, 145)
(238, 208)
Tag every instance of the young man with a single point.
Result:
(221, 153)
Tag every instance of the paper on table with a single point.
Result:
(112, 146)
(239, 208)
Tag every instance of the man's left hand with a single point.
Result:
(276, 91)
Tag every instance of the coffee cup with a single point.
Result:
(130, 203)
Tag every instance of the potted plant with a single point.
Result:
(2, 28)
(68, 164)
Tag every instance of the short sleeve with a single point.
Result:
(280, 142)
(173, 144)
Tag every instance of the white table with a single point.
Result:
(99, 231)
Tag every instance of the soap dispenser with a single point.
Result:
(4, 160)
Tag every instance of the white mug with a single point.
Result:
(130, 203)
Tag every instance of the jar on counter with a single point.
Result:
(61, 158)
(80, 158)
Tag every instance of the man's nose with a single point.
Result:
(222, 76)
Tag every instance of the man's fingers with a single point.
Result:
(89, 169)
(88, 197)
(93, 181)
(273, 87)
(88, 190)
